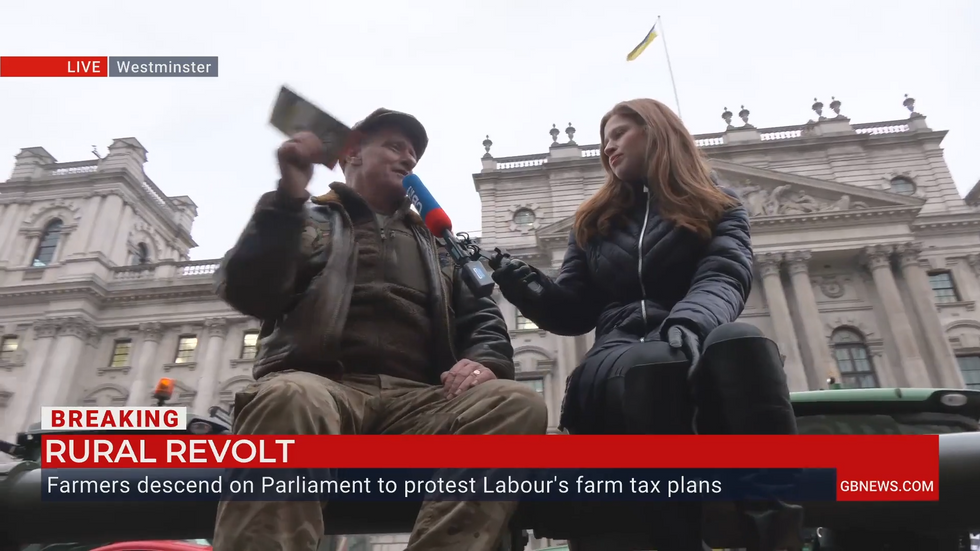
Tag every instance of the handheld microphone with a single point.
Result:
(436, 219)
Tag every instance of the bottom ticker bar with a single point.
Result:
(291, 484)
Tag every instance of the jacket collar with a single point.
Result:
(342, 195)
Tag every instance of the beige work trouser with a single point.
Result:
(294, 402)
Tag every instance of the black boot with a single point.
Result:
(740, 388)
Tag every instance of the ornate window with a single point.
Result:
(524, 324)
(48, 244)
(524, 217)
(902, 185)
(853, 359)
(8, 347)
(943, 287)
(120, 353)
(141, 255)
(970, 367)
(186, 345)
(250, 345)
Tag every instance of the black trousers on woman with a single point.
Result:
(628, 386)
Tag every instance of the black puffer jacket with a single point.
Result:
(680, 278)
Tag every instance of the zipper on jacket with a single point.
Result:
(384, 249)
(639, 264)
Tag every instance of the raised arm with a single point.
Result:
(570, 304)
(722, 281)
(257, 276)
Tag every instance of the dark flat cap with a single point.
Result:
(406, 123)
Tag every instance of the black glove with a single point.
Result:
(512, 275)
(683, 339)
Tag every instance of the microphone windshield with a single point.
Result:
(436, 219)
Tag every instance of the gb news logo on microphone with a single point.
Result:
(413, 195)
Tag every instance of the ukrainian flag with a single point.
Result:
(643, 44)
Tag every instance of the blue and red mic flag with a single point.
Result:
(435, 218)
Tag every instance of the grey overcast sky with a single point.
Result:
(507, 68)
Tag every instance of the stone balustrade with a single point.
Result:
(67, 169)
(877, 128)
(166, 270)
(710, 140)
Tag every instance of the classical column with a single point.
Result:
(64, 238)
(973, 259)
(104, 233)
(21, 411)
(941, 353)
(33, 237)
(570, 353)
(8, 238)
(139, 389)
(73, 334)
(878, 260)
(217, 329)
(581, 349)
(971, 283)
(824, 364)
(118, 252)
(782, 322)
(89, 220)
(8, 214)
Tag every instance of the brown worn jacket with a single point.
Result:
(293, 268)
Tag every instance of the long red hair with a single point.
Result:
(678, 177)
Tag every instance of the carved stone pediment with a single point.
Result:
(787, 200)
(772, 193)
(107, 394)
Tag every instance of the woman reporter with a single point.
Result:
(659, 263)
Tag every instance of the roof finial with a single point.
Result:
(554, 133)
(909, 104)
(570, 131)
(744, 115)
(818, 109)
(486, 145)
(727, 117)
(835, 106)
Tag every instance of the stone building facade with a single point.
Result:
(867, 257)
(97, 296)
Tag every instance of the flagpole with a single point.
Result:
(669, 69)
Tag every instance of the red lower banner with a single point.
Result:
(868, 467)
